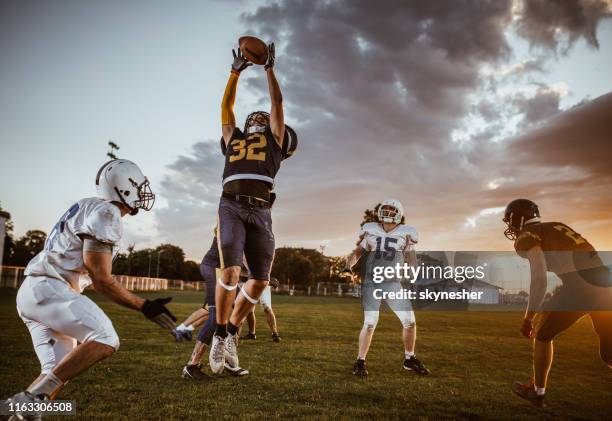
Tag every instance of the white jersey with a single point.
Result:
(62, 257)
(373, 237)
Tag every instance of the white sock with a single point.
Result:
(46, 386)
(409, 354)
(540, 391)
(181, 327)
(190, 328)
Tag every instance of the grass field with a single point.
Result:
(473, 357)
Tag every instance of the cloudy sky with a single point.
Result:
(453, 107)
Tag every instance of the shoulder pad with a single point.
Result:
(289, 143)
(104, 223)
(369, 228)
(411, 232)
(526, 241)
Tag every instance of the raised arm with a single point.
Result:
(228, 119)
(277, 117)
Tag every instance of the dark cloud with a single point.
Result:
(551, 23)
(375, 91)
(578, 138)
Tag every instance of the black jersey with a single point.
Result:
(256, 156)
(566, 251)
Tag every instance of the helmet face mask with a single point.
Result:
(519, 213)
(122, 181)
(256, 122)
(390, 211)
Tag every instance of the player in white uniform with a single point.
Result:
(386, 242)
(266, 304)
(77, 253)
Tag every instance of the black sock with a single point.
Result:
(231, 329)
(221, 331)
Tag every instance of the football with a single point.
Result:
(254, 49)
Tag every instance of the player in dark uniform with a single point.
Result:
(209, 268)
(586, 289)
(253, 156)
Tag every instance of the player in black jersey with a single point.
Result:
(253, 156)
(586, 289)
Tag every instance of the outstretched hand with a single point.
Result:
(240, 62)
(271, 57)
(157, 312)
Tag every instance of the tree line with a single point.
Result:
(292, 265)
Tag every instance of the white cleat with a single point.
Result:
(216, 358)
(231, 350)
(24, 399)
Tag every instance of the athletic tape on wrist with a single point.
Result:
(248, 297)
(227, 287)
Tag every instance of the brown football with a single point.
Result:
(254, 49)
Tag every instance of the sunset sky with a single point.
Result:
(453, 107)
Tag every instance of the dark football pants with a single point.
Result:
(244, 230)
(550, 324)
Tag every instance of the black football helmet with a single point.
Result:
(257, 118)
(518, 213)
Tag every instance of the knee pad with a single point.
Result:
(408, 319)
(370, 320)
(106, 336)
(248, 297)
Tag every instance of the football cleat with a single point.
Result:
(182, 335)
(25, 399)
(249, 336)
(527, 392)
(231, 350)
(359, 368)
(236, 371)
(417, 366)
(276, 337)
(194, 372)
(216, 357)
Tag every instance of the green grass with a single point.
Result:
(473, 357)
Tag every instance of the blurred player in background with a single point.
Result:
(586, 289)
(266, 305)
(386, 242)
(50, 302)
(252, 159)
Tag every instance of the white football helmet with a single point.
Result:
(390, 211)
(122, 181)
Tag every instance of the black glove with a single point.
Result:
(270, 61)
(274, 283)
(240, 62)
(157, 312)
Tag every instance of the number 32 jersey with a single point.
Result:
(62, 257)
(254, 156)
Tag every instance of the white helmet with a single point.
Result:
(122, 181)
(390, 211)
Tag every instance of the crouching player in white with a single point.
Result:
(50, 302)
(386, 242)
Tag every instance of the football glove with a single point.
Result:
(271, 57)
(240, 62)
(527, 328)
(274, 283)
(157, 312)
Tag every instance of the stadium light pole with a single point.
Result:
(158, 254)
(4, 216)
